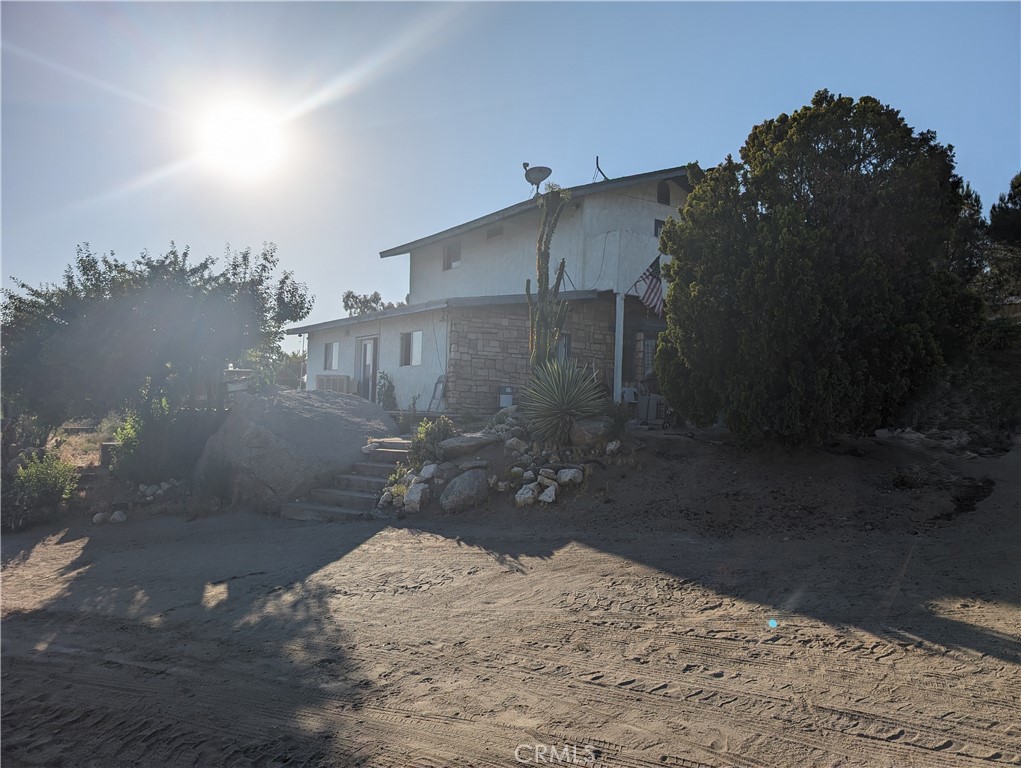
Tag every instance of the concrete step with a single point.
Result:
(367, 483)
(373, 469)
(323, 513)
(400, 443)
(388, 455)
(344, 498)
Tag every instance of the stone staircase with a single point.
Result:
(356, 490)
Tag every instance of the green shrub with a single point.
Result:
(400, 470)
(428, 436)
(558, 395)
(45, 481)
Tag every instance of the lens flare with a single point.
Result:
(241, 141)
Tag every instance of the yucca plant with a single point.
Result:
(559, 394)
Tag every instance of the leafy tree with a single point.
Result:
(362, 304)
(149, 336)
(818, 282)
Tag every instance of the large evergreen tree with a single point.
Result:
(819, 281)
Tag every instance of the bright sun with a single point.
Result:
(241, 141)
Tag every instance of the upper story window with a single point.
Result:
(657, 228)
(663, 193)
(452, 255)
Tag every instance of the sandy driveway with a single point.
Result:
(633, 626)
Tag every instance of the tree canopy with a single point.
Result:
(1001, 280)
(820, 280)
(148, 335)
(364, 303)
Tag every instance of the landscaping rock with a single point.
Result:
(612, 447)
(461, 445)
(118, 517)
(428, 471)
(517, 473)
(465, 490)
(547, 472)
(416, 497)
(527, 495)
(549, 482)
(446, 471)
(385, 499)
(570, 476)
(100, 517)
(279, 445)
(515, 444)
(528, 476)
(549, 495)
(473, 464)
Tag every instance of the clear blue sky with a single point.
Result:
(399, 120)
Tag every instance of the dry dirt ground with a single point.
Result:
(630, 626)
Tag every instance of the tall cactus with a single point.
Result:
(546, 312)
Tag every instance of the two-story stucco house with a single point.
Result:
(466, 323)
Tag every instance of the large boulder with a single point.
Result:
(462, 445)
(277, 446)
(465, 491)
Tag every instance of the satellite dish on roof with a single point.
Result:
(536, 175)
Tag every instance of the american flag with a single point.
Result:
(652, 294)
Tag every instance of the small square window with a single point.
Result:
(411, 348)
(451, 256)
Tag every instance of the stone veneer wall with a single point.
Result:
(489, 349)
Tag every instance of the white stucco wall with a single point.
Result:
(607, 239)
(409, 380)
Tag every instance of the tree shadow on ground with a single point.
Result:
(118, 655)
(812, 533)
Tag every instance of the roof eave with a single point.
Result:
(523, 207)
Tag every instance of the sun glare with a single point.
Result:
(241, 141)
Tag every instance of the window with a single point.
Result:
(494, 231)
(658, 227)
(331, 357)
(648, 355)
(452, 256)
(663, 193)
(411, 348)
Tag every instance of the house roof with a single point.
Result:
(461, 301)
(679, 173)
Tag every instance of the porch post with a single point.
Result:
(618, 345)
